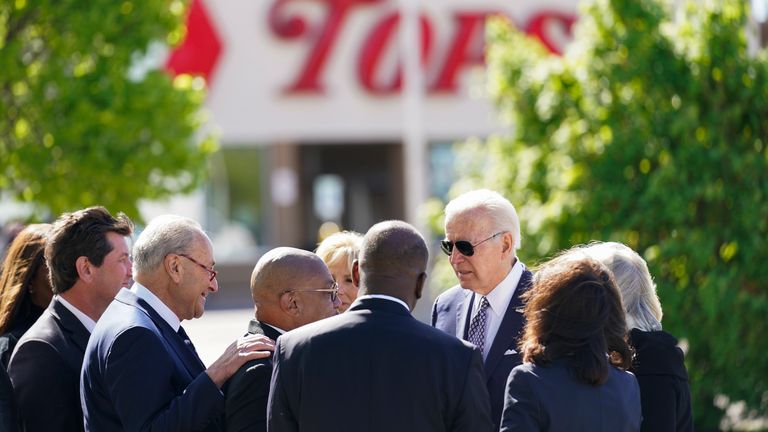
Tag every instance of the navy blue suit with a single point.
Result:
(549, 398)
(45, 371)
(450, 314)
(376, 368)
(139, 374)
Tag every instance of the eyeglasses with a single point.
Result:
(334, 290)
(464, 247)
(210, 271)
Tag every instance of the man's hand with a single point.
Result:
(237, 354)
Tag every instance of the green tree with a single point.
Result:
(83, 124)
(651, 131)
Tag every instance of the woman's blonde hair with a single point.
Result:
(339, 246)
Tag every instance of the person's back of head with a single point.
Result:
(292, 287)
(24, 276)
(82, 233)
(392, 261)
(574, 311)
(634, 281)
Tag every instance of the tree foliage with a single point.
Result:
(83, 123)
(651, 130)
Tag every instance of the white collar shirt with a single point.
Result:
(498, 301)
(164, 311)
(384, 297)
(88, 323)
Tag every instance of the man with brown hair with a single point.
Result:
(89, 261)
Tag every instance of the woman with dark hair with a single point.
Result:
(574, 376)
(24, 288)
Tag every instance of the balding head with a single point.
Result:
(392, 261)
(283, 286)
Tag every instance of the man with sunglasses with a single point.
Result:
(290, 288)
(375, 367)
(140, 371)
(482, 232)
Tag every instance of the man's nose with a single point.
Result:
(456, 256)
(214, 285)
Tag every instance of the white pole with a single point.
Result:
(414, 140)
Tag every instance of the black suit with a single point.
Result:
(140, 374)
(451, 314)
(376, 368)
(45, 371)
(248, 389)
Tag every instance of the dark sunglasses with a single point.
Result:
(464, 247)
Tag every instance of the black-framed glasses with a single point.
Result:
(210, 271)
(334, 290)
(464, 247)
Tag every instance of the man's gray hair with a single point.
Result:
(501, 212)
(638, 292)
(164, 235)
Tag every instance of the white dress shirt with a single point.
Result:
(498, 301)
(88, 323)
(164, 311)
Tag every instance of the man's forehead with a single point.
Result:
(470, 222)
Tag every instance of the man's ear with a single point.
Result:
(507, 244)
(172, 265)
(84, 268)
(420, 283)
(356, 274)
(289, 304)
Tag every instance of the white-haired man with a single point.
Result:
(482, 232)
(140, 371)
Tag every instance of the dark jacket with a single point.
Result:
(451, 314)
(248, 390)
(376, 368)
(550, 398)
(140, 374)
(664, 389)
(45, 371)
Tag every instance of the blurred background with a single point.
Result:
(279, 122)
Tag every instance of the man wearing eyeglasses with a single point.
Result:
(482, 232)
(140, 371)
(290, 288)
(375, 367)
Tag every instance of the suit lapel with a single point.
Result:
(186, 356)
(462, 314)
(510, 327)
(70, 325)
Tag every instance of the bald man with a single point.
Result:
(290, 287)
(375, 367)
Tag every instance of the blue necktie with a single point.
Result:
(479, 322)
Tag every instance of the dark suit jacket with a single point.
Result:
(8, 420)
(248, 389)
(450, 314)
(376, 368)
(549, 398)
(45, 371)
(138, 374)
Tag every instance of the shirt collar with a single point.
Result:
(164, 311)
(277, 329)
(501, 295)
(383, 297)
(88, 323)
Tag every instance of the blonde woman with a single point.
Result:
(339, 251)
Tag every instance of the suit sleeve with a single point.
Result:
(473, 413)
(280, 417)
(46, 397)
(247, 394)
(138, 373)
(521, 409)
